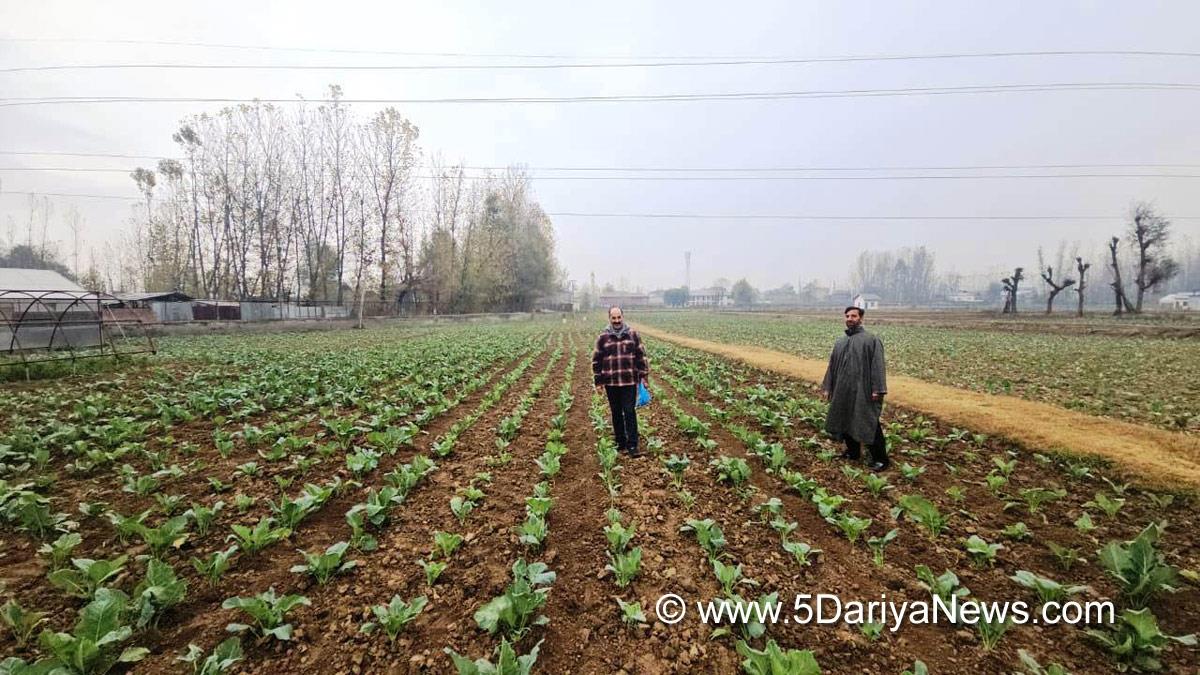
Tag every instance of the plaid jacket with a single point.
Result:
(619, 359)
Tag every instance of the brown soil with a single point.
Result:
(1150, 455)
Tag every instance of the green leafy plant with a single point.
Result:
(395, 615)
(203, 516)
(516, 610)
(732, 470)
(852, 526)
(58, 551)
(508, 661)
(360, 539)
(157, 592)
(1136, 641)
(624, 565)
(775, 661)
(877, 545)
(1032, 667)
(1048, 590)
(323, 566)
(876, 484)
(268, 611)
(631, 613)
(946, 586)
(1138, 567)
(533, 531)
(433, 569)
(170, 534)
(1084, 523)
(989, 628)
(447, 542)
(1016, 531)
(221, 659)
(708, 535)
(911, 473)
(925, 513)
(1110, 506)
(872, 630)
(93, 645)
(1037, 497)
(215, 565)
(21, 623)
(982, 553)
(1065, 557)
(618, 535)
(254, 539)
(801, 552)
(85, 578)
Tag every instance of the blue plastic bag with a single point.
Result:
(643, 398)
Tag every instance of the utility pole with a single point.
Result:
(687, 269)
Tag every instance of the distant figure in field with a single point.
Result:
(855, 384)
(618, 365)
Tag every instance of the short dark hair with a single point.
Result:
(861, 311)
(616, 307)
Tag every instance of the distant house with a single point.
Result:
(708, 297)
(867, 301)
(1188, 301)
(657, 299)
(964, 297)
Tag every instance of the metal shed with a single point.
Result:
(167, 306)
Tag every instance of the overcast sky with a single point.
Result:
(1011, 128)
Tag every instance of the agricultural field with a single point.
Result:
(450, 499)
(1145, 380)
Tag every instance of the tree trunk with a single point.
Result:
(1082, 268)
(1122, 302)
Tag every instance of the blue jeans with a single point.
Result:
(622, 402)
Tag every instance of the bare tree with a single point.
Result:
(1149, 233)
(1055, 288)
(1011, 284)
(1118, 286)
(1082, 268)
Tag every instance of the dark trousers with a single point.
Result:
(878, 447)
(622, 401)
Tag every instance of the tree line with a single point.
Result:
(1146, 256)
(319, 204)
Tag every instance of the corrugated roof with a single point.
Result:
(21, 279)
(165, 296)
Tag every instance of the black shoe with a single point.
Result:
(879, 466)
(851, 458)
(634, 453)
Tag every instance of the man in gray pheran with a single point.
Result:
(855, 385)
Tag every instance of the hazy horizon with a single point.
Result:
(1057, 131)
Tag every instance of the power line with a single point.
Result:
(684, 169)
(718, 178)
(379, 52)
(701, 62)
(631, 98)
(720, 216)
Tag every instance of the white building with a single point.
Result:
(867, 301)
(1188, 301)
(708, 297)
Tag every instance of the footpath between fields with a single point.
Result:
(1147, 455)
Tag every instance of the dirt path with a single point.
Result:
(1148, 455)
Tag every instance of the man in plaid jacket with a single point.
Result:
(618, 365)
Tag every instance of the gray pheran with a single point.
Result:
(856, 370)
